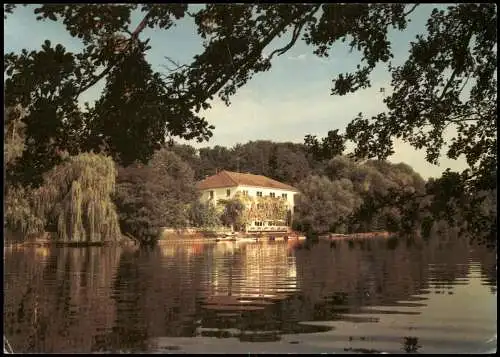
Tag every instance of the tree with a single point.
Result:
(136, 110)
(430, 94)
(288, 165)
(177, 176)
(332, 145)
(215, 158)
(20, 213)
(323, 205)
(13, 132)
(142, 210)
(204, 215)
(233, 212)
(154, 196)
(187, 154)
(75, 200)
(255, 157)
(430, 88)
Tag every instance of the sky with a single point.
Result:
(286, 103)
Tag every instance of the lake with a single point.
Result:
(367, 296)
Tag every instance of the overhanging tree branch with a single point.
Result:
(134, 36)
(242, 64)
(295, 36)
(411, 10)
(456, 69)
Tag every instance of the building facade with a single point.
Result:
(254, 191)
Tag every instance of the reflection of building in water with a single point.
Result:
(267, 270)
(251, 295)
(252, 270)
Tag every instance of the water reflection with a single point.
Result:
(346, 296)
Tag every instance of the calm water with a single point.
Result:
(266, 297)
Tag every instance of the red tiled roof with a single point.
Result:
(232, 179)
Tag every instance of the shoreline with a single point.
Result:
(365, 235)
(165, 240)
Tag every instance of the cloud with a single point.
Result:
(307, 110)
(300, 57)
(406, 153)
(283, 105)
(322, 60)
(289, 115)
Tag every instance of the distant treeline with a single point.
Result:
(89, 197)
(343, 195)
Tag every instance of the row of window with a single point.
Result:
(269, 223)
(245, 193)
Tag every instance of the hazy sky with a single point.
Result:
(284, 104)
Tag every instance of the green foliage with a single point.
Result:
(358, 197)
(215, 158)
(138, 106)
(323, 204)
(20, 215)
(285, 162)
(151, 197)
(204, 215)
(233, 213)
(262, 208)
(13, 132)
(77, 196)
(447, 82)
(289, 163)
(332, 145)
(141, 212)
(74, 200)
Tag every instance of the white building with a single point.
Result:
(226, 184)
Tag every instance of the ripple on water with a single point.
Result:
(342, 298)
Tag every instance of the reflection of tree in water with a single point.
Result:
(59, 292)
(384, 275)
(392, 243)
(331, 307)
(488, 261)
(129, 332)
(61, 301)
(257, 323)
(155, 296)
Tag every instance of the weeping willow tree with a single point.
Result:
(20, 215)
(75, 199)
(77, 195)
(13, 132)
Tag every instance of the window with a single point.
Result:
(228, 193)
(272, 194)
(211, 194)
(259, 224)
(283, 195)
(259, 194)
(245, 193)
